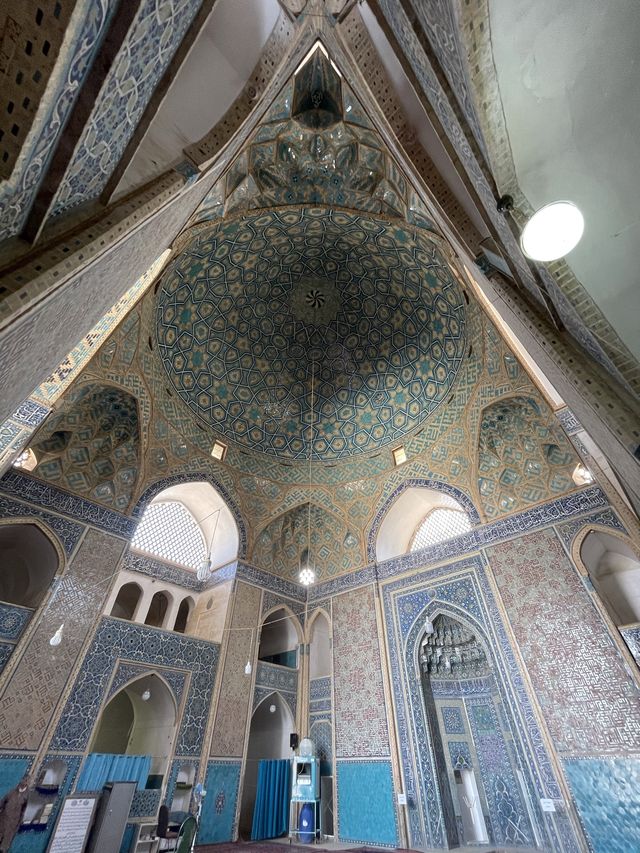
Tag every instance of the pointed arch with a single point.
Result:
(154, 490)
(395, 522)
(280, 636)
(31, 556)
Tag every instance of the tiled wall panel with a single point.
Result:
(361, 722)
(219, 808)
(589, 702)
(36, 685)
(366, 814)
(607, 792)
(235, 691)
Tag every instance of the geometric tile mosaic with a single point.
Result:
(327, 299)
(589, 702)
(361, 722)
(522, 458)
(334, 549)
(116, 640)
(91, 445)
(452, 719)
(153, 38)
(461, 590)
(36, 685)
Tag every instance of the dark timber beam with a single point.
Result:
(68, 139)
(156, 99)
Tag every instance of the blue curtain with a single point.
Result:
(271, 812)
(100, 768)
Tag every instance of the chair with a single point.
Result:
(168, 837)
(186, 835)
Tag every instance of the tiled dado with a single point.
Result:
(144, 648)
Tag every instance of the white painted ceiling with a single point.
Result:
(568, 75)
(210, 79)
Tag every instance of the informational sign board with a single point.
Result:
(73, 826)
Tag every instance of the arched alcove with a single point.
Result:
(29, 562)
(186, 524)
(614, 569)
(126, 601)
(271, 724)
(470, 738)
(157, 610)
(279, 639)
(140, 719)
(320, 647)
(405, 515)
(182, 616)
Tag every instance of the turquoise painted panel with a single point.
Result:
(366, 810)
(607, 794)
(219, 807)
(11, 772)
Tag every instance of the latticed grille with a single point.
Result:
(168, 530)
(439, 525)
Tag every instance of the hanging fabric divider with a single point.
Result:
(271, 811)
(100, 768)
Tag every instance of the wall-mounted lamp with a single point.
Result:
(551, 232)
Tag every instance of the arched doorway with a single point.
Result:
(139, 720)
(479, 784)
(29, 562)
(614, 569)
(271, 724)
(157, 610)
(126, 601)
(279, 639)
(182, 616)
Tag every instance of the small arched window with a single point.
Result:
(169, 531)
(438, 526)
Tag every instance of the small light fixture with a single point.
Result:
(272, 709)
(581, 475)
(552, 232)
(204, 569)
(26, 461)
(146, 695)
(399, 455)
(57, 637)
(219, 450)
(247, 668)
(307, 576)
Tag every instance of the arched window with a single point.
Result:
(614, 570)
(157, 610)
(29, 563)
(182, 617)
(168, 530)
(320, 648)
(438, 526)
(126, 601)
(187, 524)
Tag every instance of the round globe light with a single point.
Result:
(552, 231)
(307, 576)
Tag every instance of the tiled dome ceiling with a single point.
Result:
(254, 308)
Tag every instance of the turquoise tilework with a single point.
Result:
(366, 811)
(607, 794)
(219, 807)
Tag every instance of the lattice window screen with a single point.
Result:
(439, 525)
(168, 530)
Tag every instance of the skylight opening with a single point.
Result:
(169, 531)
(438, 526)
(318, 46)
